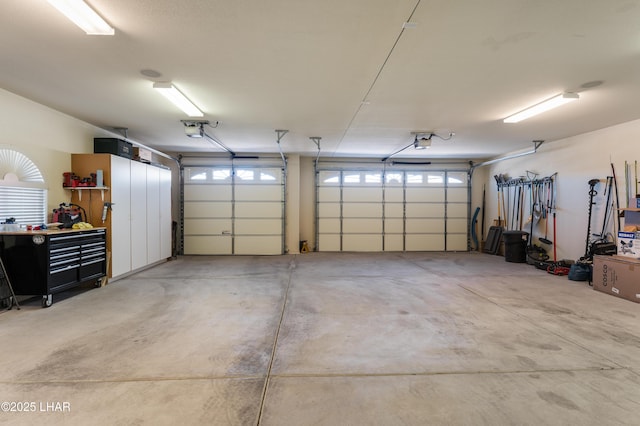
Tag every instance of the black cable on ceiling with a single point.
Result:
(375, 79)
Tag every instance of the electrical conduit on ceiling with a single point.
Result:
(375, 79)
(536, 145)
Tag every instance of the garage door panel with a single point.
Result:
(361, 210)
(416, 226)
(361, 242)
(422, 194)
(457, 225)
(457, 242)
(457, 195)
(358, 226)
(207, 244)
(207, 192)
(329, 242)
(394, 226)
(329, 226)
(258, 210)
(393, 195)
(433, 242)
(329, 209)
(424, 210)
(258, 226)
(207, 210)
(258, 192)
(394, 210)
(393, 242)
(207, 226)
(457, 210)
(326, 194)
(258, 245)
(362, 194)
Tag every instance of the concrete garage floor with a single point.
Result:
(327, 339)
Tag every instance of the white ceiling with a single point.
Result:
(344, 70)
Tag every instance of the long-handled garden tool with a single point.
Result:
(499, 189)
(620, 213)
(547, 211)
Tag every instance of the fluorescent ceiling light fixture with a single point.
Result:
(83, 16)
(169, 91)
(554, 102)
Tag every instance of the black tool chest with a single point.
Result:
(46, 263)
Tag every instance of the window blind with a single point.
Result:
(26, 205)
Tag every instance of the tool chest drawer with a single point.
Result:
(64, 259)
(93, 256)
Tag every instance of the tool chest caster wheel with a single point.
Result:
(47, 300)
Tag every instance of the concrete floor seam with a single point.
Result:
(133, 380)
(303, 376)
(292, 265)
(450, 373)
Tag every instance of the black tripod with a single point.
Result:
(5, 285)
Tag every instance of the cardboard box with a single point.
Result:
(632, 214)
(142, 155)
(629, 244)
(618, 276)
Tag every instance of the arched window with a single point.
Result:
(22, 195)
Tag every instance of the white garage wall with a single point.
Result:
(47, 137)
(576, 160)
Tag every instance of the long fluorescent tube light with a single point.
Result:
(554, 102)
(83, 16)
(169, 91)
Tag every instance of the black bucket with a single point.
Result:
(515, 246)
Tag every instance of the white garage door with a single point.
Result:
(233, 210)
(399, 210)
